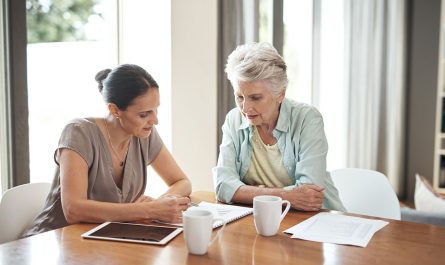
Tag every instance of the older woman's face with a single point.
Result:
(257, 103)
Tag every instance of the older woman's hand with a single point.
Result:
(308, 197)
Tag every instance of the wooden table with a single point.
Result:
(397, 243)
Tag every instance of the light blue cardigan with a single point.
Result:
(302, 143)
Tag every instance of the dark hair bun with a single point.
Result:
(100, 77)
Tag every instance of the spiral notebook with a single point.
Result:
(227, 212)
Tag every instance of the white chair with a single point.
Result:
(367, 192)
(18, 208)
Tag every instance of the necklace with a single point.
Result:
(121, 159)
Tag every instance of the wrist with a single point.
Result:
(284, 194)
(148, 209)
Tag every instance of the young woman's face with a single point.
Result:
(257, 103)
(142, 114)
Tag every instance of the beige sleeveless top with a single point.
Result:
(84, 137)
(266, 167)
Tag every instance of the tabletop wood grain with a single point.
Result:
(397, 243)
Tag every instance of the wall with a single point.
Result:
(194, 61)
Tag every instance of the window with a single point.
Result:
(63, 60)
(314, 53)
(297, 50)
(146, 40)
(333, 97)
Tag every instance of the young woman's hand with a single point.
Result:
(144, 198)
(169, 208)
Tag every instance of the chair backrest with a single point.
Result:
(366, 192)
(18, 208)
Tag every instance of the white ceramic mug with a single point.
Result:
(198, 227)
(267, 214)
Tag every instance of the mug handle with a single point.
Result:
(220, 230)
(285, 210)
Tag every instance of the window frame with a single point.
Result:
(14, 149)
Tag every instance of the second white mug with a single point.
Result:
(267, 214)
(198, 227)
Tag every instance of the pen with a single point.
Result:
(193, 204)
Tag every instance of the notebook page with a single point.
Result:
(227, 212)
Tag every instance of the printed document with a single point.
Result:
(337, 229)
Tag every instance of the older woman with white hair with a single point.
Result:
(271, 145)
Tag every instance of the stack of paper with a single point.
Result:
(338, 229)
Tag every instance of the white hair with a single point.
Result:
(257, 62)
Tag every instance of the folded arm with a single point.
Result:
(306, 197)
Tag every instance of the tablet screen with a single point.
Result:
(129, 232)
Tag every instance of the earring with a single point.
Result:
(117, 117)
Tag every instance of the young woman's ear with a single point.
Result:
(113, 109)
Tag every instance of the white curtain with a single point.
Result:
(375, 74)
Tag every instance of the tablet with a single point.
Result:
(135, 233)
